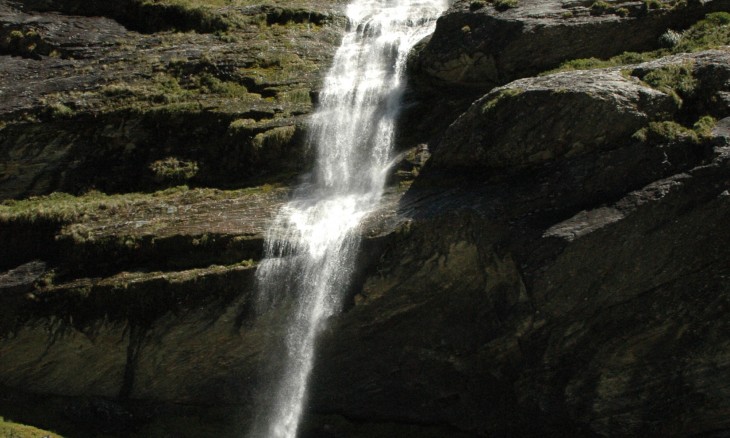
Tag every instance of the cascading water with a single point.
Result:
(311, 246)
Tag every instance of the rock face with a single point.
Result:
(539, 290)
(89, 104)
(571, 114)
(480, 44)
(557, 268)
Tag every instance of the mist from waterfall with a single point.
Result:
(312, 245)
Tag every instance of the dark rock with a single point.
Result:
(557, 268)
(22, 278)
(91, 105)
(532, 121)
(486, 47)
(544, 323)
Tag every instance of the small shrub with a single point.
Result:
(476, 5)
(670, 38)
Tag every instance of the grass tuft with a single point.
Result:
(675, 80)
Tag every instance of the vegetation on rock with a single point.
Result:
(709, 33)
(174, 170)
(677, 80)
(9, 429)
(64, 207)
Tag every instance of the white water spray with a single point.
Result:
(312, 245)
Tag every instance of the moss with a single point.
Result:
(59, 111)
(600, 7)
(173, 170)
(676, 80)
(9, 429)
(666, 132)
(185, 15)
(501, 95)
(591, 63)
(14, 36)
(275, 138)
(704, 126)
(300, 95)
(64, 207)
(239, 125)
(209, 84)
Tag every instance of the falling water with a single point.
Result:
(312, 244)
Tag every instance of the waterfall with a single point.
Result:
(312, 244)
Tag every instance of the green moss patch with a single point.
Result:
(675, 80)
(501, 95)
(97, 234)
(274, 139)
(173, 170)
(64, 207)
(9, 429)
(671, 132)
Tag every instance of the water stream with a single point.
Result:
(312, 244)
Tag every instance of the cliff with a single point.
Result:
(558, 267)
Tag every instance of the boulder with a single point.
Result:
(482, 45)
